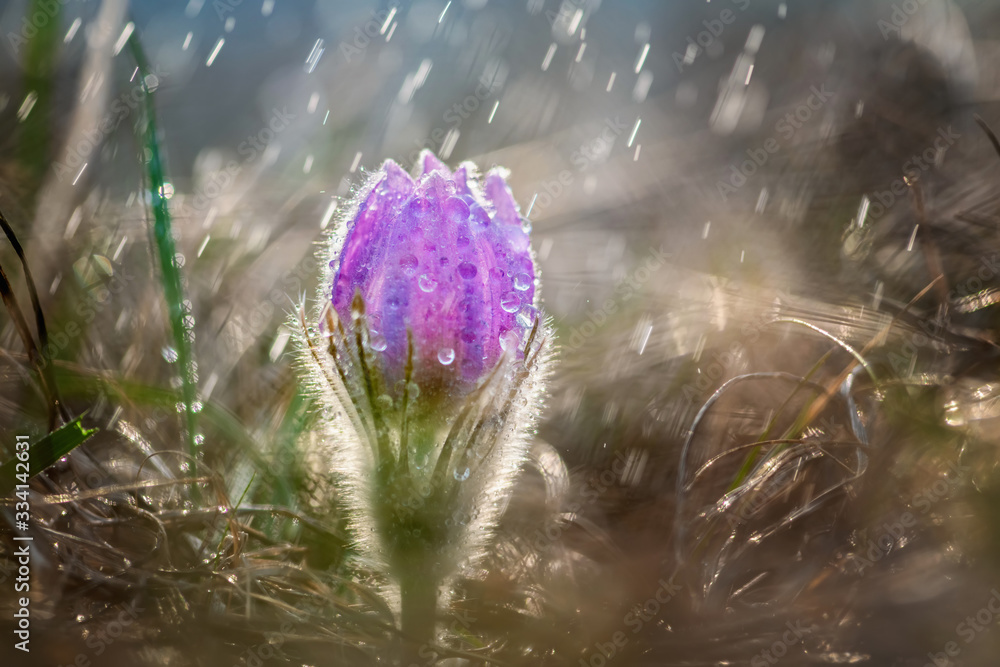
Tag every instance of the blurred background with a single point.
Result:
(768, 239)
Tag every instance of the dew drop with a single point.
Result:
(384, 402)
(463, 241)
(461, 476)
(522, 281)
(170, 354)
(497, 273)
(378, 341)
(511, 302)
(427, 283)
(446, 355)
(409, 264)
(199, 439)
(467, 270)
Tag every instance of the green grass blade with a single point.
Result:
(39, 53)
(45, 452)
(166, 249)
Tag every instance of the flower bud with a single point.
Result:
(428, 356)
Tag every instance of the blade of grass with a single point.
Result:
(45, 452)
(40, 50)
(170, 275)
(44, 368)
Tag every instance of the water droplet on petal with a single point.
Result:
(446, 355)
(384, 402)
(378, 341)
(170, 354)
(427, 283)
(456, 210)
(508, 339)
(409, 264)
(522, 281)
(199, 439)
(420, 206)
(479, 216)
(526, 318)
(467, 270)
(461, 476)
(463, 241)
(511, 302)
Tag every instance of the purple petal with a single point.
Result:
(367, 233)
(428, 162)
(500, 196)
(428, 259)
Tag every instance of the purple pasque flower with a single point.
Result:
(429, 360)
(445, 259)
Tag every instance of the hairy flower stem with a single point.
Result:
(418, 591)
